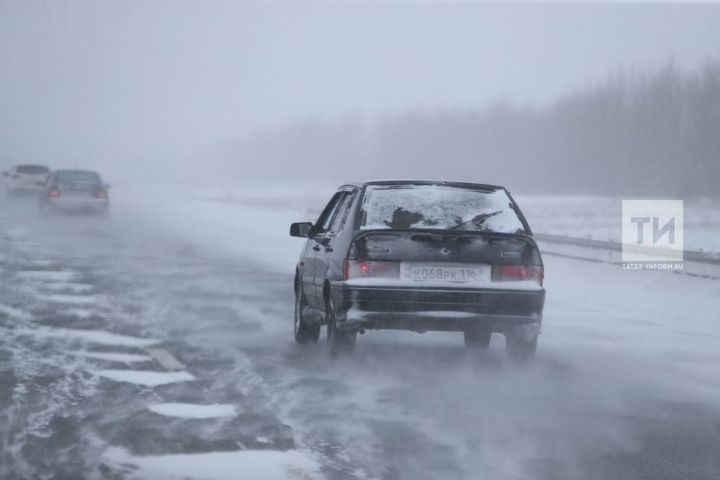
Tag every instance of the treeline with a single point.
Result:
(634, 134)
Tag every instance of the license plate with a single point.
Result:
(444, 272)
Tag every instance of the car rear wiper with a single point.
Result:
(477, 220)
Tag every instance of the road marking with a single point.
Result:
(166, 359)
(89, 336)
(146, 378)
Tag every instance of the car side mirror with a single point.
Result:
(301, 229)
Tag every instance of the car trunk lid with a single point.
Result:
(442, 257)
(443, 246)
(80, 189)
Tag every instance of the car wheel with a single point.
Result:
(339, 340)
(520, 350)
(304, 333)
(478, 338)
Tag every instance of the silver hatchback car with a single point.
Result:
(74, 191)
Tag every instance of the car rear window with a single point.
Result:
(443, 207)
(32, 169)
(77, 176)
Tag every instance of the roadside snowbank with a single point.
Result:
(255, 219)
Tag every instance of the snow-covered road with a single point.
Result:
(157, 343)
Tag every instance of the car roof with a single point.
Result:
(482, 186)
(74, 170)
(30, 165)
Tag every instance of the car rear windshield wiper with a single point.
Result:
(477, 220)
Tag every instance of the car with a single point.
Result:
(74, 191)
(25, 179)
(420, 256)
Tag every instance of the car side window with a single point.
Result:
(323, 223)
(341, 213)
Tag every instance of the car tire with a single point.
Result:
(521, 350)
(340, 341)
(304, 333)
(477, 338)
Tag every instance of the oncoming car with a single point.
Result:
(74, 191)
(420, 256)
(28, 179)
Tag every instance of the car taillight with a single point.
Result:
(509, 273)
(370, 269)
(54, 193)
(102, 194)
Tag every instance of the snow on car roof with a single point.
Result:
(423, 182)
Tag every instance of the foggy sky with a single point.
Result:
(146, 86)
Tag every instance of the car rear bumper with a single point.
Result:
(441, 309)
(78, 205)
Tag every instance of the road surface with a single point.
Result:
(157, 343)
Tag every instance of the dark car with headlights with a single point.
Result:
(74, 191)
(420, 256)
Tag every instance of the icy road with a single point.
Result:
(157, 343)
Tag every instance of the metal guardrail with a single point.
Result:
(688, 255)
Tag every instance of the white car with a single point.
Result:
(25, 179)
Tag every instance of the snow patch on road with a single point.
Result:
(41, 263)
(47, 275)
(69, 299)
(81, 313)
(260, 464)
(13, 312)
(15, 233)
(90, 336)
(189, 410)
(145, 377)
(113, 357)
(165, 359)
(68, 287)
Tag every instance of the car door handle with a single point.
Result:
(316, 248)
(329, 249)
